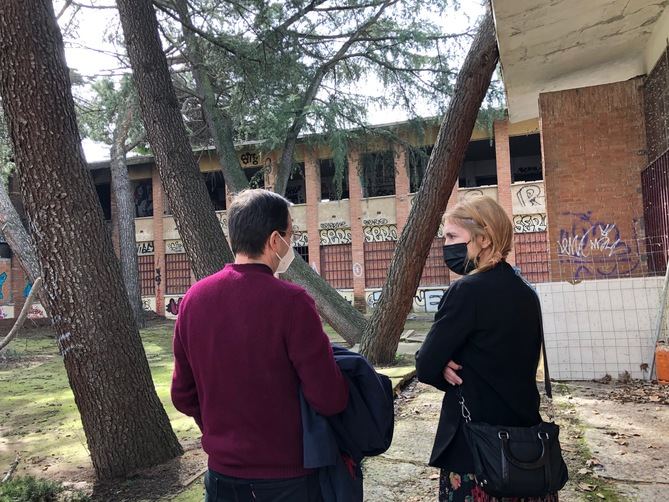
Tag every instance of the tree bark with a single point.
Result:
(194, 215)
(125, 208)
(381, 338)
(17, 237)
(340, 314)
(124, 422)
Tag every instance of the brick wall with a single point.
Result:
(594, 150)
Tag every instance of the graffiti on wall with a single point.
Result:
(300, 237)
(525, 223)
(380, 233)
(149, 304)
(334, 232)
(425, 300)
(595, 249)
(145, 248)
(175, 247)
(428, 300)
(223, 220)
(172, 306)
(3, 279)
(531, 196)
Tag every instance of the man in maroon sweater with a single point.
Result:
(245, 343)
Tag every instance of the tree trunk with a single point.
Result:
(186, 192)
(125, 206)
(381, 338)
(17, 237)
(340, 314)
(125, 424)
(334, 308)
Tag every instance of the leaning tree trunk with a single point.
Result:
(194, 214)
(17, 237)
(380, 339)
(125, 206)
(339, 313)
(19, 240)
(125, 424)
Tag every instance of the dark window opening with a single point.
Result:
(378, 174)
(142, 192)
(216, 188)
(256, 176)
(296, 191)
(525, 158)
(303, 251)
(104, 196)
(329, 186)
(479, 167)
(418, 159)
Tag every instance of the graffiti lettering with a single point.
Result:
(530, 195)
(173, 306)
(595, 249)
(175, 247)
(335, 236)
(380, 233)
(529, 223)
(375, 222)
(333, 224)
(300, 239)
(249, 158)
(145, 248)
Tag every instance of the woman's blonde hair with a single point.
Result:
(482, 216)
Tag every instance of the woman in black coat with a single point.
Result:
(485, 339)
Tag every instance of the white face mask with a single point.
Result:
(288, 258)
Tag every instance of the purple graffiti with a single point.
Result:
(596, 248)
(173, 306)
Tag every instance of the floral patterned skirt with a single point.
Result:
(454, 487)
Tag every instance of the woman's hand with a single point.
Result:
(450, 373)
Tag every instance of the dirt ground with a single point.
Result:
(614, 434)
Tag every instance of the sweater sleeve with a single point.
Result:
(184, 390)
(453, 323)
(309, 349)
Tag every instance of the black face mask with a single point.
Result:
(455, 256)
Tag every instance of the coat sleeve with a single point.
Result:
(453, 323)
(323, 385)
(183, 390)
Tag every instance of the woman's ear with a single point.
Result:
(484, 241)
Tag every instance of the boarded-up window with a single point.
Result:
(146, 275)
(177, 275)
(337, 265)
(435, 272)
(532, 256)
(377, 262)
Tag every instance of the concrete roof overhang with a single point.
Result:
(551, 45)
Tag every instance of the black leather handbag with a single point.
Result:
(517, 461)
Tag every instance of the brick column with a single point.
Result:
(503, 156)
(312, 181)
(402, 187)
(158, 240)
(18, 281)
(357, 237)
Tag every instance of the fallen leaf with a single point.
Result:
(584, 471)
(434, 476)
(586, 487)
(600, 496)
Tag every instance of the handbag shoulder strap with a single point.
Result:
(547, 376)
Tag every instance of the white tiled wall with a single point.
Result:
(599, 327)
